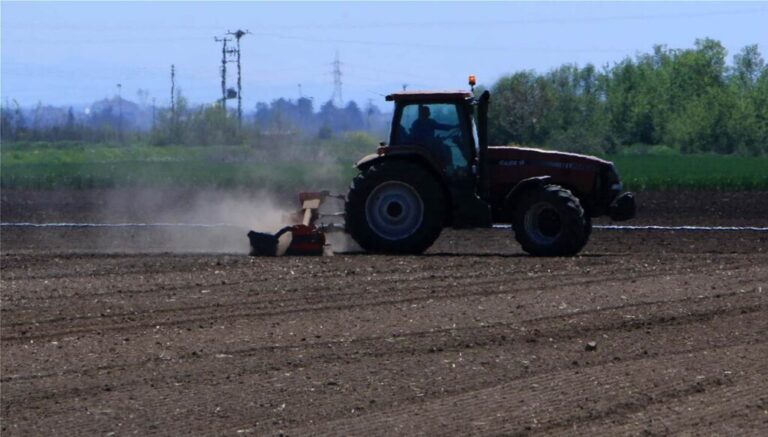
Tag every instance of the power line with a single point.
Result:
(401, 75)
(343, 25)
(525, 21)
(418, 45)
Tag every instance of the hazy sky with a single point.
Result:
(75, 53)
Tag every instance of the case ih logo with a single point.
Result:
(511, 162)
(549, 164)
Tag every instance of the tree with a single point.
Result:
(516, 111)
(329, 116)
(353, 117)
(6, 122)
(576, 120)
(748, 65)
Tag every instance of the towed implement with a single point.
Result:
(305, 238)
(438, 171)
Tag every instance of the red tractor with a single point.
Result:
(438, 171)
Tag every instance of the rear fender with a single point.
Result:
(412, 154)
(521, 188)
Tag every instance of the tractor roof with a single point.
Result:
(428, 95)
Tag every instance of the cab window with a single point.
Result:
(435, 126)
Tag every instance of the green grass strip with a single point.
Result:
(227, 166)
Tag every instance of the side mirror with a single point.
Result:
(382, 144)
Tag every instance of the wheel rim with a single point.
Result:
(394, 210)
(543, 223)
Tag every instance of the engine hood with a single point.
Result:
(499, 154)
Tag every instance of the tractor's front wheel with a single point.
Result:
(549, 221)
(395, 207)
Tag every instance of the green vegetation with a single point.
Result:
(692, 172)
(283, 176)
(304, 166)
(688, 99)
(327, 164)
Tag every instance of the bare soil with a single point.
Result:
(107, 331)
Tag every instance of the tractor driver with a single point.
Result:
(423, 132)
(423, 128)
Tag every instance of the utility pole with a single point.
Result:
(223, 71)
(368, 113)
(153, 114)
(300, 95)
(173, 91)
(337, 97)
(239, 34)
(173, 101)
(120, 111)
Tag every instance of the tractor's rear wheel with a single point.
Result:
(395, 207)
(549, 221)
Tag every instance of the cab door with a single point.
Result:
(444, 132)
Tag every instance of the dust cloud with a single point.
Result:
(221, 219)
(226, 216)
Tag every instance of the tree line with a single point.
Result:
(689, 100)
(685, 100)
(117, 120)
(281, 122)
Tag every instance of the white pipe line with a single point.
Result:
(120, 225)
(667, 228)
(681, 228)
(497, 226)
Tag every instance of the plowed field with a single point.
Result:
(644, 333)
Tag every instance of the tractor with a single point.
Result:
(438, 171)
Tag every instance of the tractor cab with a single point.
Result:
(444, 131)
(441, 124)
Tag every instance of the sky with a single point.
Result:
(74, 53)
